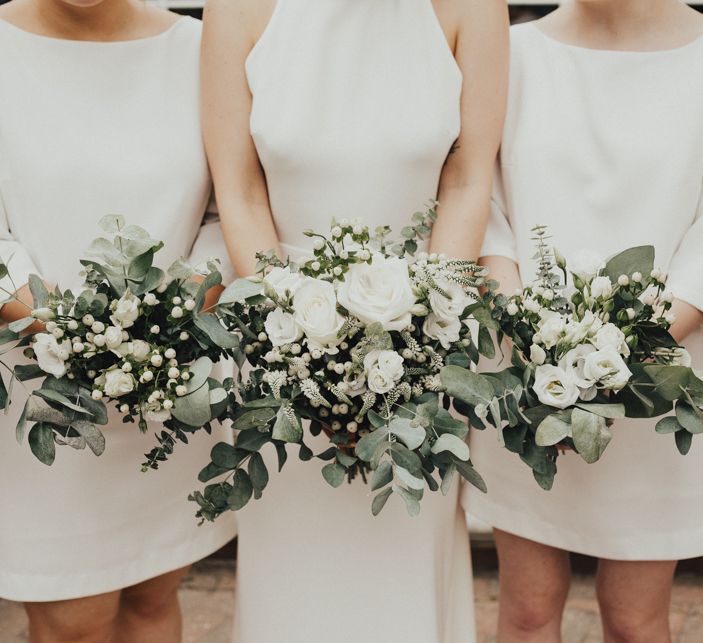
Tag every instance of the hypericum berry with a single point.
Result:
(176, 312)
(185, 376)
(315, 265)
(97, 394)
(51, 326)
(99, 340)
(169, 353)
(150, 299)
(623, 280)
(352, 427)
(97, 327)
(78, 347)
(156, 360)
(147, 376)
(181, 390)
(72, 324)
(339, 368)
(636, 277)
(183, 336)
(248, 349)
(168, 404)
(262, 337)
(88, 320)
(155, 329)
(127, 367)
(57, 332)
(189, 304)
(124, 408)
(176, 301)
(318, 243)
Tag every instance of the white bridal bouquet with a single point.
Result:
(353, 340)
(591, 345)
(135, 338)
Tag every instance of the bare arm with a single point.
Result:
(688, 319)
(482, 52)
(231, 28)
(505, 271)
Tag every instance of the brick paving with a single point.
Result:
(207, 603)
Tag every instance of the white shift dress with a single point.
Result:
(605, 148)
(88, 129)
(355, 107)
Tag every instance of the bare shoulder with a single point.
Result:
(243, 16)
(13, 12)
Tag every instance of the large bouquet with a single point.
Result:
(591, 344)
(352, 340)
(136, 338)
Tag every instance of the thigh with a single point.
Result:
(632, 586)
(155, 592)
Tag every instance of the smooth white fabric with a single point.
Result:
(604, 148)
(88, 129)
(355, 107)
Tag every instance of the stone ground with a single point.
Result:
(207, 602)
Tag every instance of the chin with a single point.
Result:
(82, 4)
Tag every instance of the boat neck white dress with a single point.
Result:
(355, 107)
(88, 129)
(606, 149)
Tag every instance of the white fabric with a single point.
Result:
(88, 129)
(355, 107)
(605, 149)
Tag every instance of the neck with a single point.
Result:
(617, 16)
(108, 20)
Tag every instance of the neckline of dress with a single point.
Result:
(616, 52)
(82, 43)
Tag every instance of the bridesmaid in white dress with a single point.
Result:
(603, 144)
(349, 108)
(98, 114)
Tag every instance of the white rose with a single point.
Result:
(552, 329)
(611, 336)
(384, 369)
(574, 363)
(537, 354)
(601, 287)
(154, 412)
(282, 328)
(355, 384)
(51, 354)
(443, 330)
(608, 368)
(555, 387)
(126, 311)
(315, 312)
(140, 350)
(113, 337)
(380, 291)
(586, 264)
(451, 307)
(117, 383)
(283, 281)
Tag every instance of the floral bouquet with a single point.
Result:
(135, 337)
(352, 339)
(590, 345)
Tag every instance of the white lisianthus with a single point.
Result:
(282, 328)
(355, 384)
(577, 332)
(117, 382)
(384, 369)
(586, 264)
(537, 354)
(315, 312)
(451, 307)
(531, 305)
(51, 355)
(113, 337)
(601, 287)
(380, 291)
(154, 412)
(555, 387)
(611, 336)
(574, 363)
(283, 281)
(552, 328)
(126, 311)
(607, 368)
(445, 331)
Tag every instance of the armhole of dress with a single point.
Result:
(251, 56)
(442, 38)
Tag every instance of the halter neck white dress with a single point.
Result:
(88, 129)
(604, 147)
(355, 107)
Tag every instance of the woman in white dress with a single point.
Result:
(602, 144)
(322, 108)
(98, 114)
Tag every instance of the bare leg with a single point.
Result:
(534, 584)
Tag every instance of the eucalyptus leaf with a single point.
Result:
(406, 458)
(226, 457)
(366, 447)
(411, 436)
(55, 396)
(242, 490)
(193, 409)
(380, 500)
(39, 411)
(24, 372)
(19, 325)
(38, 290)
(590, 434)
(258, 419)
(638, 259)
(668, 424)
(240, 290)
(552, 430)
(408, 479)
(199, 370)
(41, 442)
(610, 411)
(111, 223)
(683, 441)
(447, 479)
(211, 326)
(22, 423)
(470, 474)
(382, 475)
(453, 444)
(333, 474)
(285, 429)
(689, 418)
(412, 504)
(181, 269)
(92, 435)
(466, 385)
(258, 473)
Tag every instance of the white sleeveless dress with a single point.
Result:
(604, 147)
(355, 107)
(88, 129)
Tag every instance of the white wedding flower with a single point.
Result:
(154, 412)
(117, 382)
(681, 357)
(113, 337)
(577, 332)
(448, 308)
(446, 332)
(315, 312)
(43, 314)
(586, 264)
(283, 281)
(555, 387)
(601, 287)
(611, 336)
(51, 355)
(380, 291)
(355, 384)
(552, 328)
(574, 363)
(384, 369)
(126, 311)
(607, 368)
(537, 354)
(282, 328)
(531, 305)
(140, 350)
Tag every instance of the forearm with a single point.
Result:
(688, 319)
(505, 271)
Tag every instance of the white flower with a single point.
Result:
(43, 314)
(355, 384)
(176, 312)
(601, 287)
(611, 336)
(537, 354)
(282, 328)
(283, 281)
(113, 337)
(446, 331)
(448, 308)
(574, 363)
(126, 311)
(512, 309)
(315, 312)
(384, 369)
(586, 264)
(607, 367)
(623, 280)
(577, 332)
(49, 354)
(552, 328)
(531, 305)
(154, 412)
(681, 357)
(380, 291)
(150, 299)
(555, 387)
(140, 350)
(117, 382)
